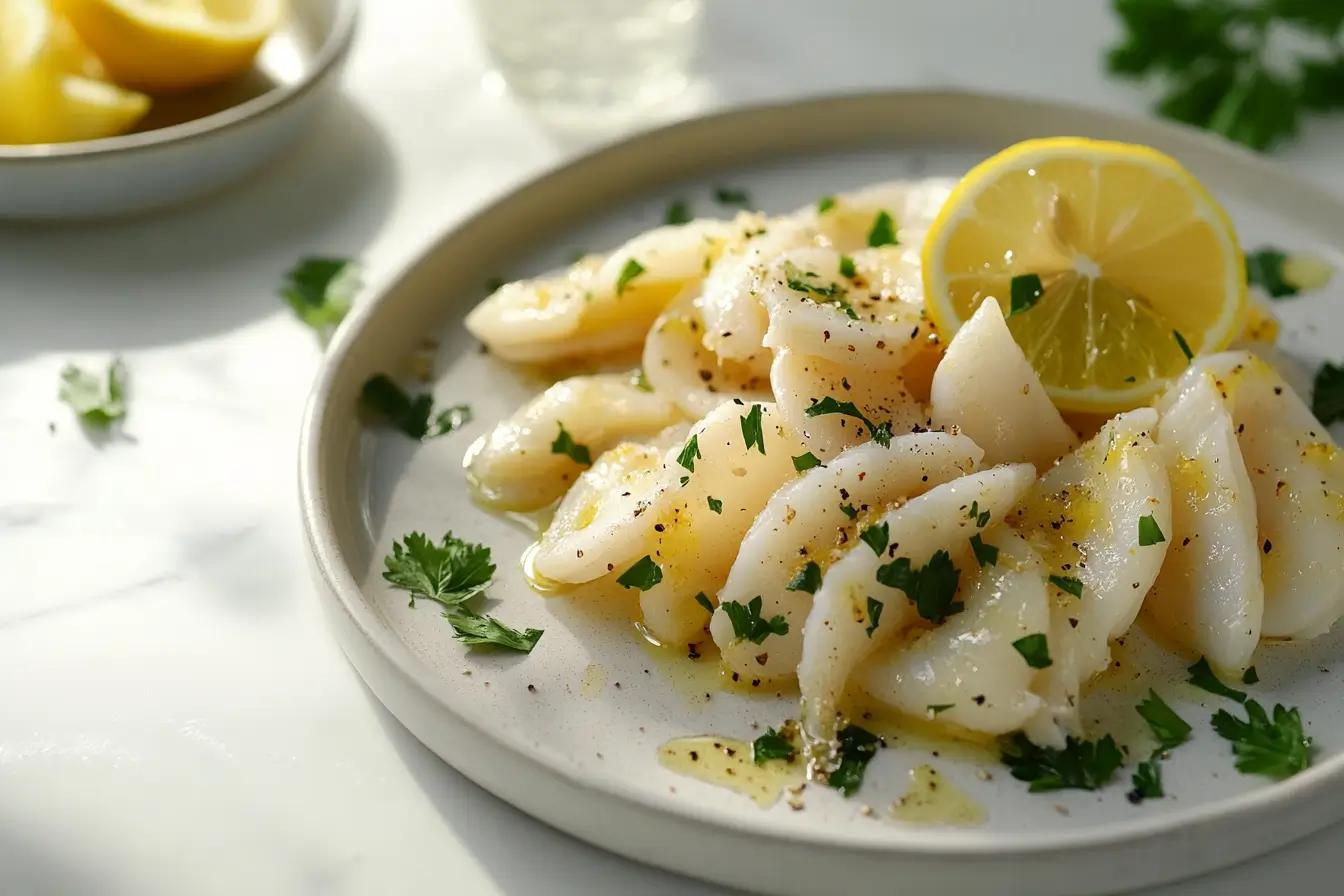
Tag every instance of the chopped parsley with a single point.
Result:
(1035, 649)
(857, 748)
(876, 537)
(1327, 394)
(1250, 676)
(678, 213)
(1147, 781)
(1264, 268)
(825, 204)
(703, 600)
(1278, 748)
(802, 281)
(1081, 765)
(631, 270)
(1201, 676)
(714, 504)
(1150, 532)
(850, 511)
(644, 574)
(847, 268)
(320, 290)
(981, 517)
(1185, 346)
(1024, 292)
(883, 232)
(472, 628)
(1169, 729)
(751, 429)
(932, 588)
(843, 305)
(1068, 584)
(806, 462)
(772, 745)
(874, 615)
(98, 403)
(564, 444)
(449, 573)
(985, 554)
(690, 454)
(806, 579)
(748, 624)
(731, 196)
(828, 405)
(412, 415)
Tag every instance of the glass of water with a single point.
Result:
(592, 58)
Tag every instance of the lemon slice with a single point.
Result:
(173, 45)
(1136, 263)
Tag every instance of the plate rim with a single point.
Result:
(337, 582)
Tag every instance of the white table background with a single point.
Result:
(174, 716)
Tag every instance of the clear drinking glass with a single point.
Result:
(591, 57)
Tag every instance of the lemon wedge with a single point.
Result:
(1111, 260)
(173, 45)
(49, 92)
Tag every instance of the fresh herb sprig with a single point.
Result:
(97, 402)
(1080, 765)
(320, 291)
(413, 415)
(748, 624)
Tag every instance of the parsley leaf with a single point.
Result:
(981, 517)
(876, 537)
(411, 415)
(644, 574)
(97, 403)
(1250, 676)
(1185, 346)
(985, 554)
(472, 628)
(731, 196)
(829, 405)
(1035, 649)
(931, 588)
(883, 232)
(450, 572)
(847, 268)
(1201, 676)
(825, 204)
(802, 281)
(703, 600)
(806, 462)
(714, 504)
(857, 748)
(690, 454)
(1068, 584)
(1147, 781)
(874, 615)
(850, 511)
(1327, 394)
(1168, 728)
(806, 579)
(1150, 532)
(564, 444)
(772, 745)
(320, 290)
(678, 213)
(1276, 748)
(1024, 292)
(1264, 268)
(631, 270)
(748, 624)
(1081, 765)
(751, 429)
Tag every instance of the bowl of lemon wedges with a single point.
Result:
(111, 107)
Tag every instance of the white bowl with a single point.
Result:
(195, 143)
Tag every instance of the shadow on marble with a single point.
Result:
(195, 271)
(499, 836)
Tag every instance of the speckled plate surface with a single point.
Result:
(579, 747)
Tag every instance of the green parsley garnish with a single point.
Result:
(1327, 394)
(1068, 584)
(410, 414)
(806, 462)
(843, 305)
(981, 517)
(985, 554)
(640, 381)
(98, 403)
(1147, 781)
(714, 504)
(1035, 649)
(1250, 676)
(883, 232)
(472, 628)
(936, 708)
(1168, 728)
(678, 213)
(748, 624)
(320, 290)
(849, 511)
(825, 204)
(751, 429)
(802, 281)
(1024, 292)
(857, 748)
(450, 573)
(874, 615)
(772, 745)
(1201, 676)
(1185, 346)
(703, 600)
(881, 433)
(731, 196)
(876, 537)
(1264, 268)
(847, 268)
(1081, 765)
(1214, 61)
(1277, 748)
(644, 574)
(631, 270)
(932, 587)
(1150, 532)
(806, 579)
(690, 454)
(564, 444)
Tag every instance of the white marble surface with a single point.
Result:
(174, 716)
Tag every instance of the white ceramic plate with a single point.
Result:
(580, 752)
(194, 143)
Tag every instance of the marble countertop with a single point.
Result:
(174, 714)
